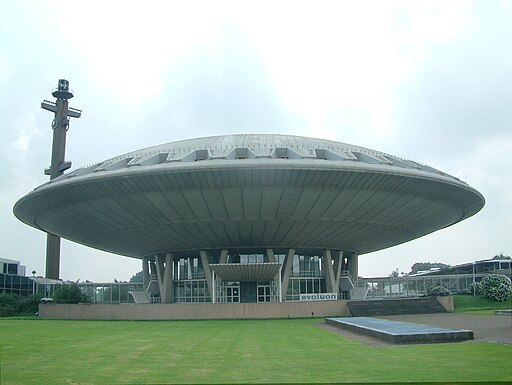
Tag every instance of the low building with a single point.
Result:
(13, 279)
(12, 267)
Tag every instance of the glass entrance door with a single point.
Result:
(263, 293)
(233, 294)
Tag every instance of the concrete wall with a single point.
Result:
(447, 302)
(193, 311)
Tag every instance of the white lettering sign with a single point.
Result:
(319, 297)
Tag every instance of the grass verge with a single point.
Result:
(227, 351)
(469, 303)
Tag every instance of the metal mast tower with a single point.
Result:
(60, 126)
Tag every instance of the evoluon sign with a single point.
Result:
(319, 297)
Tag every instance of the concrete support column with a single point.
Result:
(145, 272)
(338, 261)
(279, 287)
(159, 272)
(344, 260)
(170, 284)
(223, 256)
(159, 262)
(152, 266)
(52, 256)
(330, 282)
(164, 275)
(214, 293)
(270, 255)
(288, 263)
(353, 266)
(207, 271)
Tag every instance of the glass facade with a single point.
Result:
(235, 292)
(16, 284)
(189, 281)
(416, 286)
(307, 276)
(188, 268)
(187, 291)
(246, 292)
(115, 292)
(46, 290)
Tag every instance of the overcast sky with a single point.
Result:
(430, 81)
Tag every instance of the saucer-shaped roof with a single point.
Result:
(248, 192)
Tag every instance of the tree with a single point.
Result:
(136, 278)
(70, 293)
(394, 273)
(425, 266)
(501, 257)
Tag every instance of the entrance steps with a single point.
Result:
(384, 307)
(140, 296)
(359, 293)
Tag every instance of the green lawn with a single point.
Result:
(229, 351)
(469, 303)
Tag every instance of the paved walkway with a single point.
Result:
(493, 328)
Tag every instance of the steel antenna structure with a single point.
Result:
(60, 126)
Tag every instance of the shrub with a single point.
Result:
(496, 287)
(16, 305)
(475, 288)
(437, 291)
(69, 294)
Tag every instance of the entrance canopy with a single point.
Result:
(246, 272)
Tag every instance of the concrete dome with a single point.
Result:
(248, 192)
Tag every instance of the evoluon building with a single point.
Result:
(248, 218)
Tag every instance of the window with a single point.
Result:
(233, 293)
(263, 293)
(188, 291)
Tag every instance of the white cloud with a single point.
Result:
(488, 167)
(423, 79)
(26, 133)
(5, 69)
(129, 46)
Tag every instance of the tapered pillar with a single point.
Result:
(330, 281)
(271, 256)
(338, 260)
(207, 271)
(353, 266)
(288, 263)
(52, 256)
(163, 265)
(145, 272)
(223, 256)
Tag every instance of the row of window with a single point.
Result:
(246, 153)
(191, 291)
(298, 286)
(417, 286)
(302, 266)
(16, 284)
(109, 293)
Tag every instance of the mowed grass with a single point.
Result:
(470, 303)
(227, 351)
